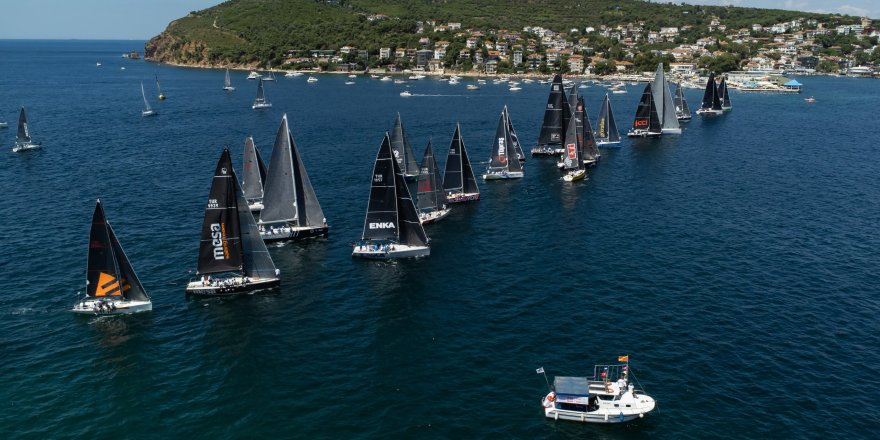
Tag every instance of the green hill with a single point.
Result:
(256, 32)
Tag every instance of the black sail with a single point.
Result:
(711, 100)
(255, 259)
(572, 157)
(501, 159)
(410, 229)
(109, 272)
(309, 212)
(552, 127)
(403, 150)
(453, 180)
(23, 135)
(470, 185)
(613, 133)
(646, 113)
(514, 139)
(381, 220)
(681, 106)
(262, 164)
(131, 286)
(430, 196)
(725, 96)
(220, 248)
(252, 183)
(588, 140)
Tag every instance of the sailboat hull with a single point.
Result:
(643, 133)
(4, 125)
(289, 233)
(389, 251)
(709, 112)
(433, 216)
(230, 88)
(230, 287)
(671, 130)
(504, 175)
(462, 197)
(102, 306)
(18, 148)
(410, 177)
(608, 144)
(146, 113)
(574, 176)
(547, 151)
(260, 106)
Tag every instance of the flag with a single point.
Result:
(539, 370)
(623, 358)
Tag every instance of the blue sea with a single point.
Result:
(737, 265)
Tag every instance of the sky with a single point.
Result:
(143, 19)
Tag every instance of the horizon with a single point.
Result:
(111, 20)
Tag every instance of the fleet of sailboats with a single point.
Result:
(430, 198)
(646, 122)
(392, 228)
(112, 286)
(232, 256)
(501, 164)
(403, 151)
(607, 134)
(290, 207)
(147, 111)
(227, 82)
(261, 101)
(459, 181)
(23, 141)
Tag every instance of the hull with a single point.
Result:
(546, 151)
(255, 207)
(462, 197)
(288, 233)
(684, 118)
(388, 252)
(259, 106)
(643, 133)
(95, 306)
(621, 409)
(503, 175)
(726, 109)
(234, 286)
(433, 216)
(671, 131)
(26, 147)
(709, 112)
(229, 88)
(410, 177)
(4, 125)
(146, 113)
(608, 144)
(574, 176)
(583, 417)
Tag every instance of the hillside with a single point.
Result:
(256, 32)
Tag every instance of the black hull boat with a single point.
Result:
(288, 233)
(229, 287)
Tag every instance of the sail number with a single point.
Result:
(212, 203)
(377, 178)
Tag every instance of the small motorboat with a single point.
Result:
(405, 93)
(312, 79)
(810, 99)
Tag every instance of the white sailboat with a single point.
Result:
(227, 82)
(147, 111)
(664, 103)
(112, 287)
(23, 141)
(253, 175)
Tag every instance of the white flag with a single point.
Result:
(539, 370)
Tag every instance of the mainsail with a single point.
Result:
(391, 214)
(109, 272)
(23, 136)
(458, 176)
(252, 185)
(146, 103)
(288, 195)
(663, 102)
(501, 148)
(227, 82)
(514, 139)
(572, 157)
(588, 140)
(646, 113)
(552, 127)
(681, 107)
(430, 196)
(403, 150)
(711, 100)
(220, 249)
(261, 95)
(606, 127)
(725, 95)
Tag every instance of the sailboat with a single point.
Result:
(290, 207)
(232, 257)
(431, 199)
(499, 165)
(570, 119)
(682, 111)
(606, 128)
(725, 95)
(159, 88)
(403, 151)
(260, 101)
(227, 82)
(663, 102)
(590, 150)
(647, 122)
(112, 287)
(711, 105)
(550, 138)
(391, 227)
(147, 111)
(573, 158)
(254, 175)
(514, 139)
(271, 75)
(459, 181)
(23, 141)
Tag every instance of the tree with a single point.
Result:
(827, 66)
(605, 67)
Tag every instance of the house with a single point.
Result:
(492, 66)
(439, 53)
(517, 57)
(346, 49)
(384, 52)
(422, 57)
(685, 69)
(624, 66)
(576, 64)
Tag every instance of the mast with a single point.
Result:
(252, 185)
(23, 135)
(402, 149)
(552, 127)
(430, 196)
(220, 249)
(144, 94)
(662, 98)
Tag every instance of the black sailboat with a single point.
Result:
(403, 151)
(23, 141)
(391, 227)
(459, 181)
(514, 139)
(290, 207)
(232, 257)
(724, 95)
(607, 134)
(711, 105)
(431, 199)
(553, 127)
(112, 287)
(588, 139)
(261, 101)
(647, 122)
(500, 164)
(682, 111)
(573, 157)
(254, 175)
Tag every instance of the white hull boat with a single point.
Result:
(433, 216)
(4, 125)
(503, 175)
(101, 306)
(709, 112)
(261, 105)
(462, 197)
(389, 251)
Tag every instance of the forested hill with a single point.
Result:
(257, 32)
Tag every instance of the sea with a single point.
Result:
(736, 264)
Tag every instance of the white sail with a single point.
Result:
(664, 103)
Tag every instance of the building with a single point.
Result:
(384, 52)
(423, 56)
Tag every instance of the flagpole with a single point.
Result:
(546, 380)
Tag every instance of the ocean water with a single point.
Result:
(736, 264)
